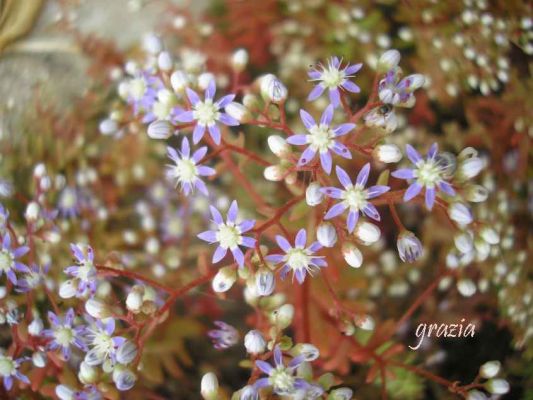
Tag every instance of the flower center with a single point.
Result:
(206, 112)
(332, 77)
(297, 258)
(229, 236)
(282, 380)
(64, 336)
(86, 271)
(6, 260)
(355, 197)
(137, 88)
(321, 138)
(7, 366)
(186, 170)
(428, 173)
(102, 342)
(68, 199)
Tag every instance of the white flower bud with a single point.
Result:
(67, 289)
(152, 44)
(124, 379)
(460, 213)
(224, 279)
(365, 323)
(32, 211)
(35, 327)
(87, 374)
(307, 350)
(464, 242)
(39, 171)
(466, 287)
(204, 79)
(278, 145)
(179, 81)
(134, 300)
(282, 317)
(274, 173)
(248, 393)
(238, 111)
(388, 153)
(490, 235)
(409, 247)
(388, 60)
(108, 126)
(209, 386)
(352, 255)
(341, 394)
(254, 342)
(265, 282)
(470, 168)
(272, 89)
(164, 61)
(126, 353)
(159, 129)
(63, 392)
(416, 81)
(239, 60)
(313, 195)
(97, 309)
(326, 234)
(368, 233)
(497, 386)
(476, 193)
(39, 359)
(476, 395)
(490, 369)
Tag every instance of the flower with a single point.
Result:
(280, 377)
(84, 271)
(64, 392)
(8, 259)
(427, 173)
(33, 278)
(322, 138)
(409, 247)
(63, 334)
(333, 77)
(104, 345)
(224, 337)
(299, 259)
(68, 202)
(229, 234)
(354, 197)
(399, 93)
(186, 171)
(9, 370)
(206, 113)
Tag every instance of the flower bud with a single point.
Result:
(265, 282)
(249, 393)
(352, 255)
(341, 394)
(278, 145)
(388, 153)
(464, 242)
(415, 81)
(254, 342)
(152, 43)
(238, 111)
(127, 352)
(476, 193)
(63, 392)
(460, 213)
(39, 359)
(313, 194)
(326, 234)
(239, 60)
(490, 235)
(272, 89)
(67, 289)
(274, 173)
(124, 378)
(97, 309)
(388, 60)
(164, 61)
(179, 81)
(368, 233)
(365, 323)
(134, 301)
(497, 386)
(209, 386)
(224, 279)
(409, 247)
(282, 317)
(87, 374)
(35, 327)
(204, 80)
(490, 369)
(476, 395)
(470, 168)
(466, 287)
(108, 126)
(159, 129)
(39, 171)
(307, 350)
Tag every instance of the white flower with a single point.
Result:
(209, 386)
(490, 369)
(313, 194)
(326, 234)
(254, 342)
(388, 153)
(224, 279)
(352, 255)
